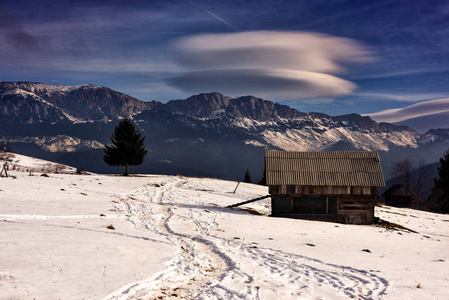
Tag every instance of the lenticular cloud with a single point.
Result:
(267, 83)
(277, 65)
(416, 110)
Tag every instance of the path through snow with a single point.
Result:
(209, 265)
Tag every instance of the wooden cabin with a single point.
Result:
(339, 186)
(398, 195)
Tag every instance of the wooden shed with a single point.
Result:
(340, 186)
(398, 195)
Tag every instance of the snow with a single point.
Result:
(58, 143)
(174, 238)
(25, 94)
(323, 134)
(308, 139)
(254, 143)
(26, 163)
(50, 89)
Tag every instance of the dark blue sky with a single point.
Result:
(329, 56)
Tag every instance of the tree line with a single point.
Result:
(428, 192)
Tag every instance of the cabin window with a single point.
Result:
(315, 205)
(281, 204)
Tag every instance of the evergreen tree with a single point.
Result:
(439, 199)
(127, 146)
(247, 177)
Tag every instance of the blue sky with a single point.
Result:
(332, 56)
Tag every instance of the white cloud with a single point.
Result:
(399, 97)
(413, 111)
(270, 64)
(304, 51)
(265, 83)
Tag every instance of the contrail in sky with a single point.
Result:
(215, 16)
(221, 20)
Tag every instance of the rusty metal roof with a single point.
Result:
(330, 168)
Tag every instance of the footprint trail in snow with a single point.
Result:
(208, 266)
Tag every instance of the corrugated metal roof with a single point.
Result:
(330, 168)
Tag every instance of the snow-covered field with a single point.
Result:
(172, 238)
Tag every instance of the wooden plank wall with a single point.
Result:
(355, 204)
(356, 209)
(321, 190)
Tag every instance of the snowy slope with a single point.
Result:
(58, 143)
(310, 139)
(174, 239)
(27, 163)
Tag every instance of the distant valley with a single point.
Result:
(204, 135)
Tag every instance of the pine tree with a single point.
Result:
(127, 146)
(247, 177)
(439, 199)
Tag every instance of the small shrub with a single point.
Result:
(81, 170)
(7, 156)
(4, 277)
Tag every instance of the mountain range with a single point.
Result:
(203, 135)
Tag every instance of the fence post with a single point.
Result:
(236, 187)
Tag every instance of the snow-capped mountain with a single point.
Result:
(37, 103)
(274, 125)
(206, 134)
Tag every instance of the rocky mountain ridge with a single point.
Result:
(37, 102)
(210, 104)
(206, 134)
